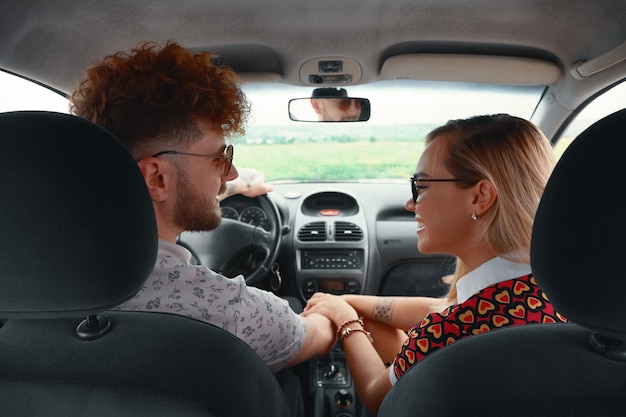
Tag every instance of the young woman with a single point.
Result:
(475, 192)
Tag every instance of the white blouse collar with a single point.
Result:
(491, 272)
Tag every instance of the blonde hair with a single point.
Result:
(517, 158)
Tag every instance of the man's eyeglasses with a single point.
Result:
(415, 187)
(226, 159)
(345, 103)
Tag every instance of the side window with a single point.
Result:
(608, 103)
(19, 94)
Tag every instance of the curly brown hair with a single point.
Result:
(151, 98)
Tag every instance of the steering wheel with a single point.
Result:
(239, 248)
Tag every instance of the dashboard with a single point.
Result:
(245, 210)
(345, 238)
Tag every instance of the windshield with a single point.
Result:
(385, 147)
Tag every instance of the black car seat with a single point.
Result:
(567, 369)
(77, 237)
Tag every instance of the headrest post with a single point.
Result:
(93, 327)
(611, 348)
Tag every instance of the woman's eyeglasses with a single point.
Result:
(226, 159)
(415, 187)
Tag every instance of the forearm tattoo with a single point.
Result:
(230, 188)
(383, 309)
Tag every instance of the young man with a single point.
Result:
(334, 105)
(173, 110)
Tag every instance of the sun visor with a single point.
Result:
(259, 77)
(471, 68)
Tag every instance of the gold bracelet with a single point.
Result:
(345, 323)
(348, 331)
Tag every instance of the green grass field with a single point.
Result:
(331, 161)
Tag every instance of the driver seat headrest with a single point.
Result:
(77, 225)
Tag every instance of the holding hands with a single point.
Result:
(335, 307)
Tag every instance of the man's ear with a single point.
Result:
(316, 105)
(485, 196)
(153, 173)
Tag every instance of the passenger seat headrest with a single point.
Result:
(579, 234)
(77, 226)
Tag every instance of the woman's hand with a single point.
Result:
(334, 307)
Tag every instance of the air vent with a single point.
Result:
(347, 232)
(313, 232)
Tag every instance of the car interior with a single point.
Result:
(335, 220)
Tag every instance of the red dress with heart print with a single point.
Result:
(508, 303)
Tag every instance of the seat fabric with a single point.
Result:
(149, 364)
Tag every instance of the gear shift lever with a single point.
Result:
(319, 403)
(332, 367)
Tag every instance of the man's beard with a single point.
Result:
(195, 212)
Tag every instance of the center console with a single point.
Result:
(330, 245)
(332, 388)
(331, 252)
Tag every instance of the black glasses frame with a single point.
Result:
(414, 180)
(345, 103)
(227, 157)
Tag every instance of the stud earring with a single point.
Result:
(474, 216)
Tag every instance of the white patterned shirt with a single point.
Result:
(260, 318)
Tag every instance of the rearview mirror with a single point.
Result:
(329, 105)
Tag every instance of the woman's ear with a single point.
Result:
(152, 170)
(485, 196)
